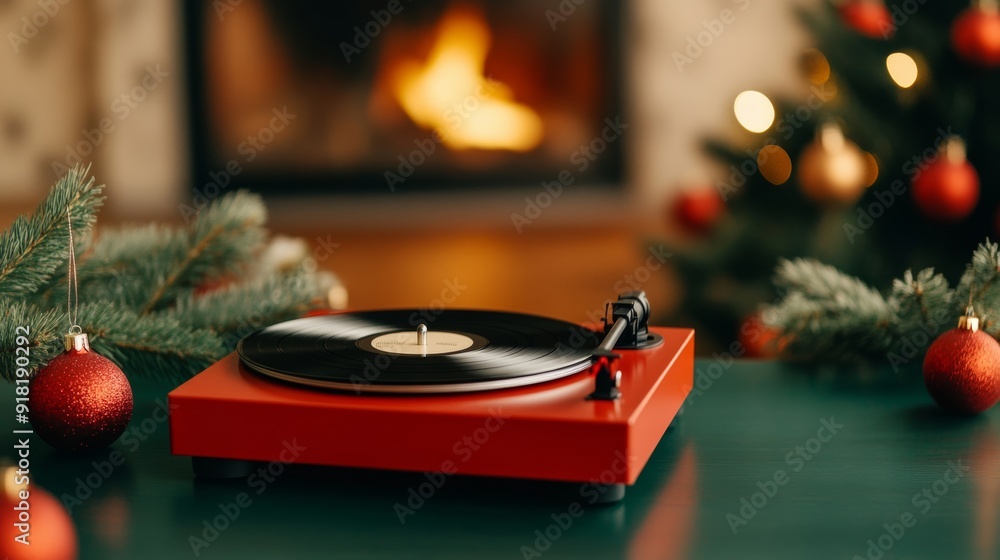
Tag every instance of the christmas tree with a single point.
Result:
(875, 173)
(146, 292)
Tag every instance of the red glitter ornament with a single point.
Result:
(962, 368)
(80, 400)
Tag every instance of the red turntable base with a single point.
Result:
(546, 431)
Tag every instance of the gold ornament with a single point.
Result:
(833, 169)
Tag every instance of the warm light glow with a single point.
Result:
(871, 169)
(754, 111)
(817, 68)
(449, 93)
(902, 69)
(774, 164)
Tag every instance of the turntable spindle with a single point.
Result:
(422, 335)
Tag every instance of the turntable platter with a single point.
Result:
(405, 351)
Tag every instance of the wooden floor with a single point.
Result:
(562, 273)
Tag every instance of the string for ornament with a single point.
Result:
(969, 321)
(72, 290)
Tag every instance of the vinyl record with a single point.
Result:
(380, 351)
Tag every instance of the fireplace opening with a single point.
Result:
(393, 96)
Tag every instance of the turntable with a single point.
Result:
(461, 392)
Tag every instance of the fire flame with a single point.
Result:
(449, 93)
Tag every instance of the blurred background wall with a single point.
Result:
(70, 65)
(66, 66)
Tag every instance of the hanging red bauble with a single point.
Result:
(948, 188)
(962, 368)
(975, 34)
(698, 210)
(80, 400)
(868, 17)
(51, 533)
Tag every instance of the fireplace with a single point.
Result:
(401, 97)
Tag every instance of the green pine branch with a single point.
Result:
(33, 247)
(980, 287)
(141, 288)
(237, 310)
(222, 241)
(42, 337)
(826, 314)
(922, 302)
(150, 346)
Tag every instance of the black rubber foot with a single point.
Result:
(207, 467)
(610, 493)
(675, 424)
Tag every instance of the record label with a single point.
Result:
(405, 343)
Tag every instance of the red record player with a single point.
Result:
(473, 393)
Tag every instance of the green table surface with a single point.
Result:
(895, 458)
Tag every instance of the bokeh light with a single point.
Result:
(816, 67)
(774, 163)
(902, 69)
(754, 111)
(871, 169)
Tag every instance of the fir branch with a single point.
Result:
(222, 240)
(52, 292)
(237, 310)
(837, 329)
(980, 288)
(121, 248)
(815, 280)
(44, 338)
(33, 247)
(127, 263)
(922, 303)
(828, 313)
(148, 346)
